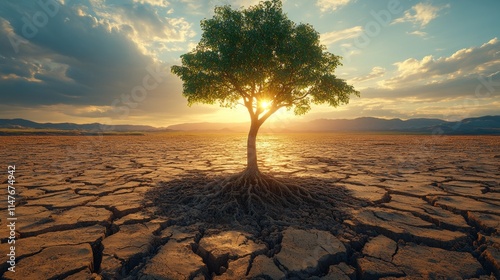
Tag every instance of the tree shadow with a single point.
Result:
(197, 199)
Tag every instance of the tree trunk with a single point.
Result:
(251, 148)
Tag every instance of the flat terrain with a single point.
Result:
(418, 207)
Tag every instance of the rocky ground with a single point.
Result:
(420, 207)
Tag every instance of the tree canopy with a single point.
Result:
(257, 55)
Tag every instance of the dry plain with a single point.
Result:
(419, 207)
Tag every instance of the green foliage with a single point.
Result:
(256, 54)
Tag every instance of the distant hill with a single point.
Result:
(92, 127)
(368, 124)
(210, 127)
(481, 125)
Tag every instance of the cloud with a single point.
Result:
(475, 61)
(340, 35)
(89, 59)
(420, 14)
(331, 5)
(452, 100)
(418, 33)
(193, 6)
(463, 84)
(376, 72)
(196, 7)
(470, 87)
(75, 59)
(159, 3)
(240, 3)
(147, 23)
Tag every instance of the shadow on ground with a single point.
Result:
(190, 200)
(234, 242)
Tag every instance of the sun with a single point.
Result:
(264, 104)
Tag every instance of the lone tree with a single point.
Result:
(259, 58)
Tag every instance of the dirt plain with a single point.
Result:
(416, 207)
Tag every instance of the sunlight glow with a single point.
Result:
(265, 104)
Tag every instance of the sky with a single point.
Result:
(108, 61)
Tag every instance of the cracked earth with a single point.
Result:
(418, 207)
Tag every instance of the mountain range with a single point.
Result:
(480, 125)
(91, 127)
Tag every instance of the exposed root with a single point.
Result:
(252, 198)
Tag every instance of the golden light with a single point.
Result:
(265, 104)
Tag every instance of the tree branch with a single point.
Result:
(268, 114)
(232, 80)
(301, 97)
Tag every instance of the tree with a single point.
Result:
(257, 56)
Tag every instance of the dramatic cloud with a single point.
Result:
(55, 58)
(335, 36)
(470, 87)
(79, 60)
(331, 5)
(421, 14)
(150, 27)
(470, 62)
(458, 86)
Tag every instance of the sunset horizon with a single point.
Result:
(418, 60)
(273, 123)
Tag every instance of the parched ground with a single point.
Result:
(405, 207)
